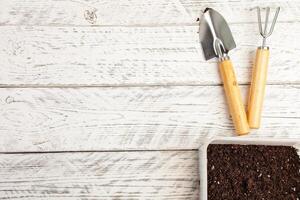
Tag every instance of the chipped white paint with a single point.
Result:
(122, 118)
(135, 55)
(101, 175)
(51, 44)
(135, 12)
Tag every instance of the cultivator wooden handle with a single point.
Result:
(234, 98)
(257, 88)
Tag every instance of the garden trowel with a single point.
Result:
(217, 40)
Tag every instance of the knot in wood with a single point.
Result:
(90, 16)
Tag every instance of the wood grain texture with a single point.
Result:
(143, 118)
(64, 56)
(135, 12)
(105, 175)
(258, 85)
(234, 97)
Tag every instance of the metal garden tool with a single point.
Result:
(259, 74)
(217, 40)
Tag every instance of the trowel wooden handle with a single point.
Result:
(257, 88)
(234, 98)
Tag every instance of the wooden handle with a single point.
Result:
(234, 98)
(257, 88)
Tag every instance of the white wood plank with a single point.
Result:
(135, 12)
(52, 119)
(135, 55)
(119, 175)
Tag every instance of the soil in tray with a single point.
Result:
(238, 172)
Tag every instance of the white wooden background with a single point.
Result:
(118, 108)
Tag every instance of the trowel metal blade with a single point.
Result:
(212, 27)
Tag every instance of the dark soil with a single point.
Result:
(237, 172)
